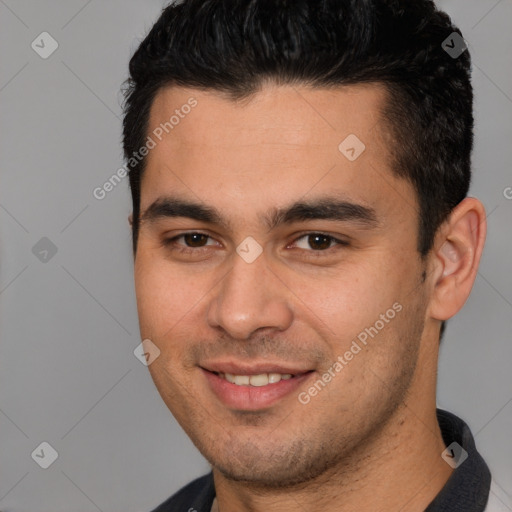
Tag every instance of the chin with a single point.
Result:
(286, 465)
(270, 476)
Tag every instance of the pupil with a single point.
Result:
(189, 238)
(313, 238)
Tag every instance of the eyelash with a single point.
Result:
(170, 243)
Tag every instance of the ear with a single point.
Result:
(457, 251)
(130, 219)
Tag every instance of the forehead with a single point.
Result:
(274, 114)
(280, 144)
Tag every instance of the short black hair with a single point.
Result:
(236, 47)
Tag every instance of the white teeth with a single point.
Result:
(261, 379)
(274, 377)
(241, 380)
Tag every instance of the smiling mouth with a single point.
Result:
(261, 379)
(256, 390)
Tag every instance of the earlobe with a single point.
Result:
(457, 255)
(130, 219)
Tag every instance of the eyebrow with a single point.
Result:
(326, 208)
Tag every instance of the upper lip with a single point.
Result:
(237, 368)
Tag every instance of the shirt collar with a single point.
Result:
(467, 489)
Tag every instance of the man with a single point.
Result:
(301, 232)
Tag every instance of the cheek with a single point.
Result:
(347, 299)
(166, 295)
(155, 292)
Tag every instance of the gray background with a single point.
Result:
(68, 326)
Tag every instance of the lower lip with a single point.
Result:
(252, 398)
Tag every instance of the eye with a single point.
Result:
(319, 242)
(192, 239)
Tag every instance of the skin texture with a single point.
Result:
(297, 304)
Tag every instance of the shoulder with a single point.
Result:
(197, 496)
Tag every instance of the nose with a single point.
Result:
(250, 297)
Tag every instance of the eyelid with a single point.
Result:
(170, 241)
(334, 238)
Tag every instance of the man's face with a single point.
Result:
(296, 306)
